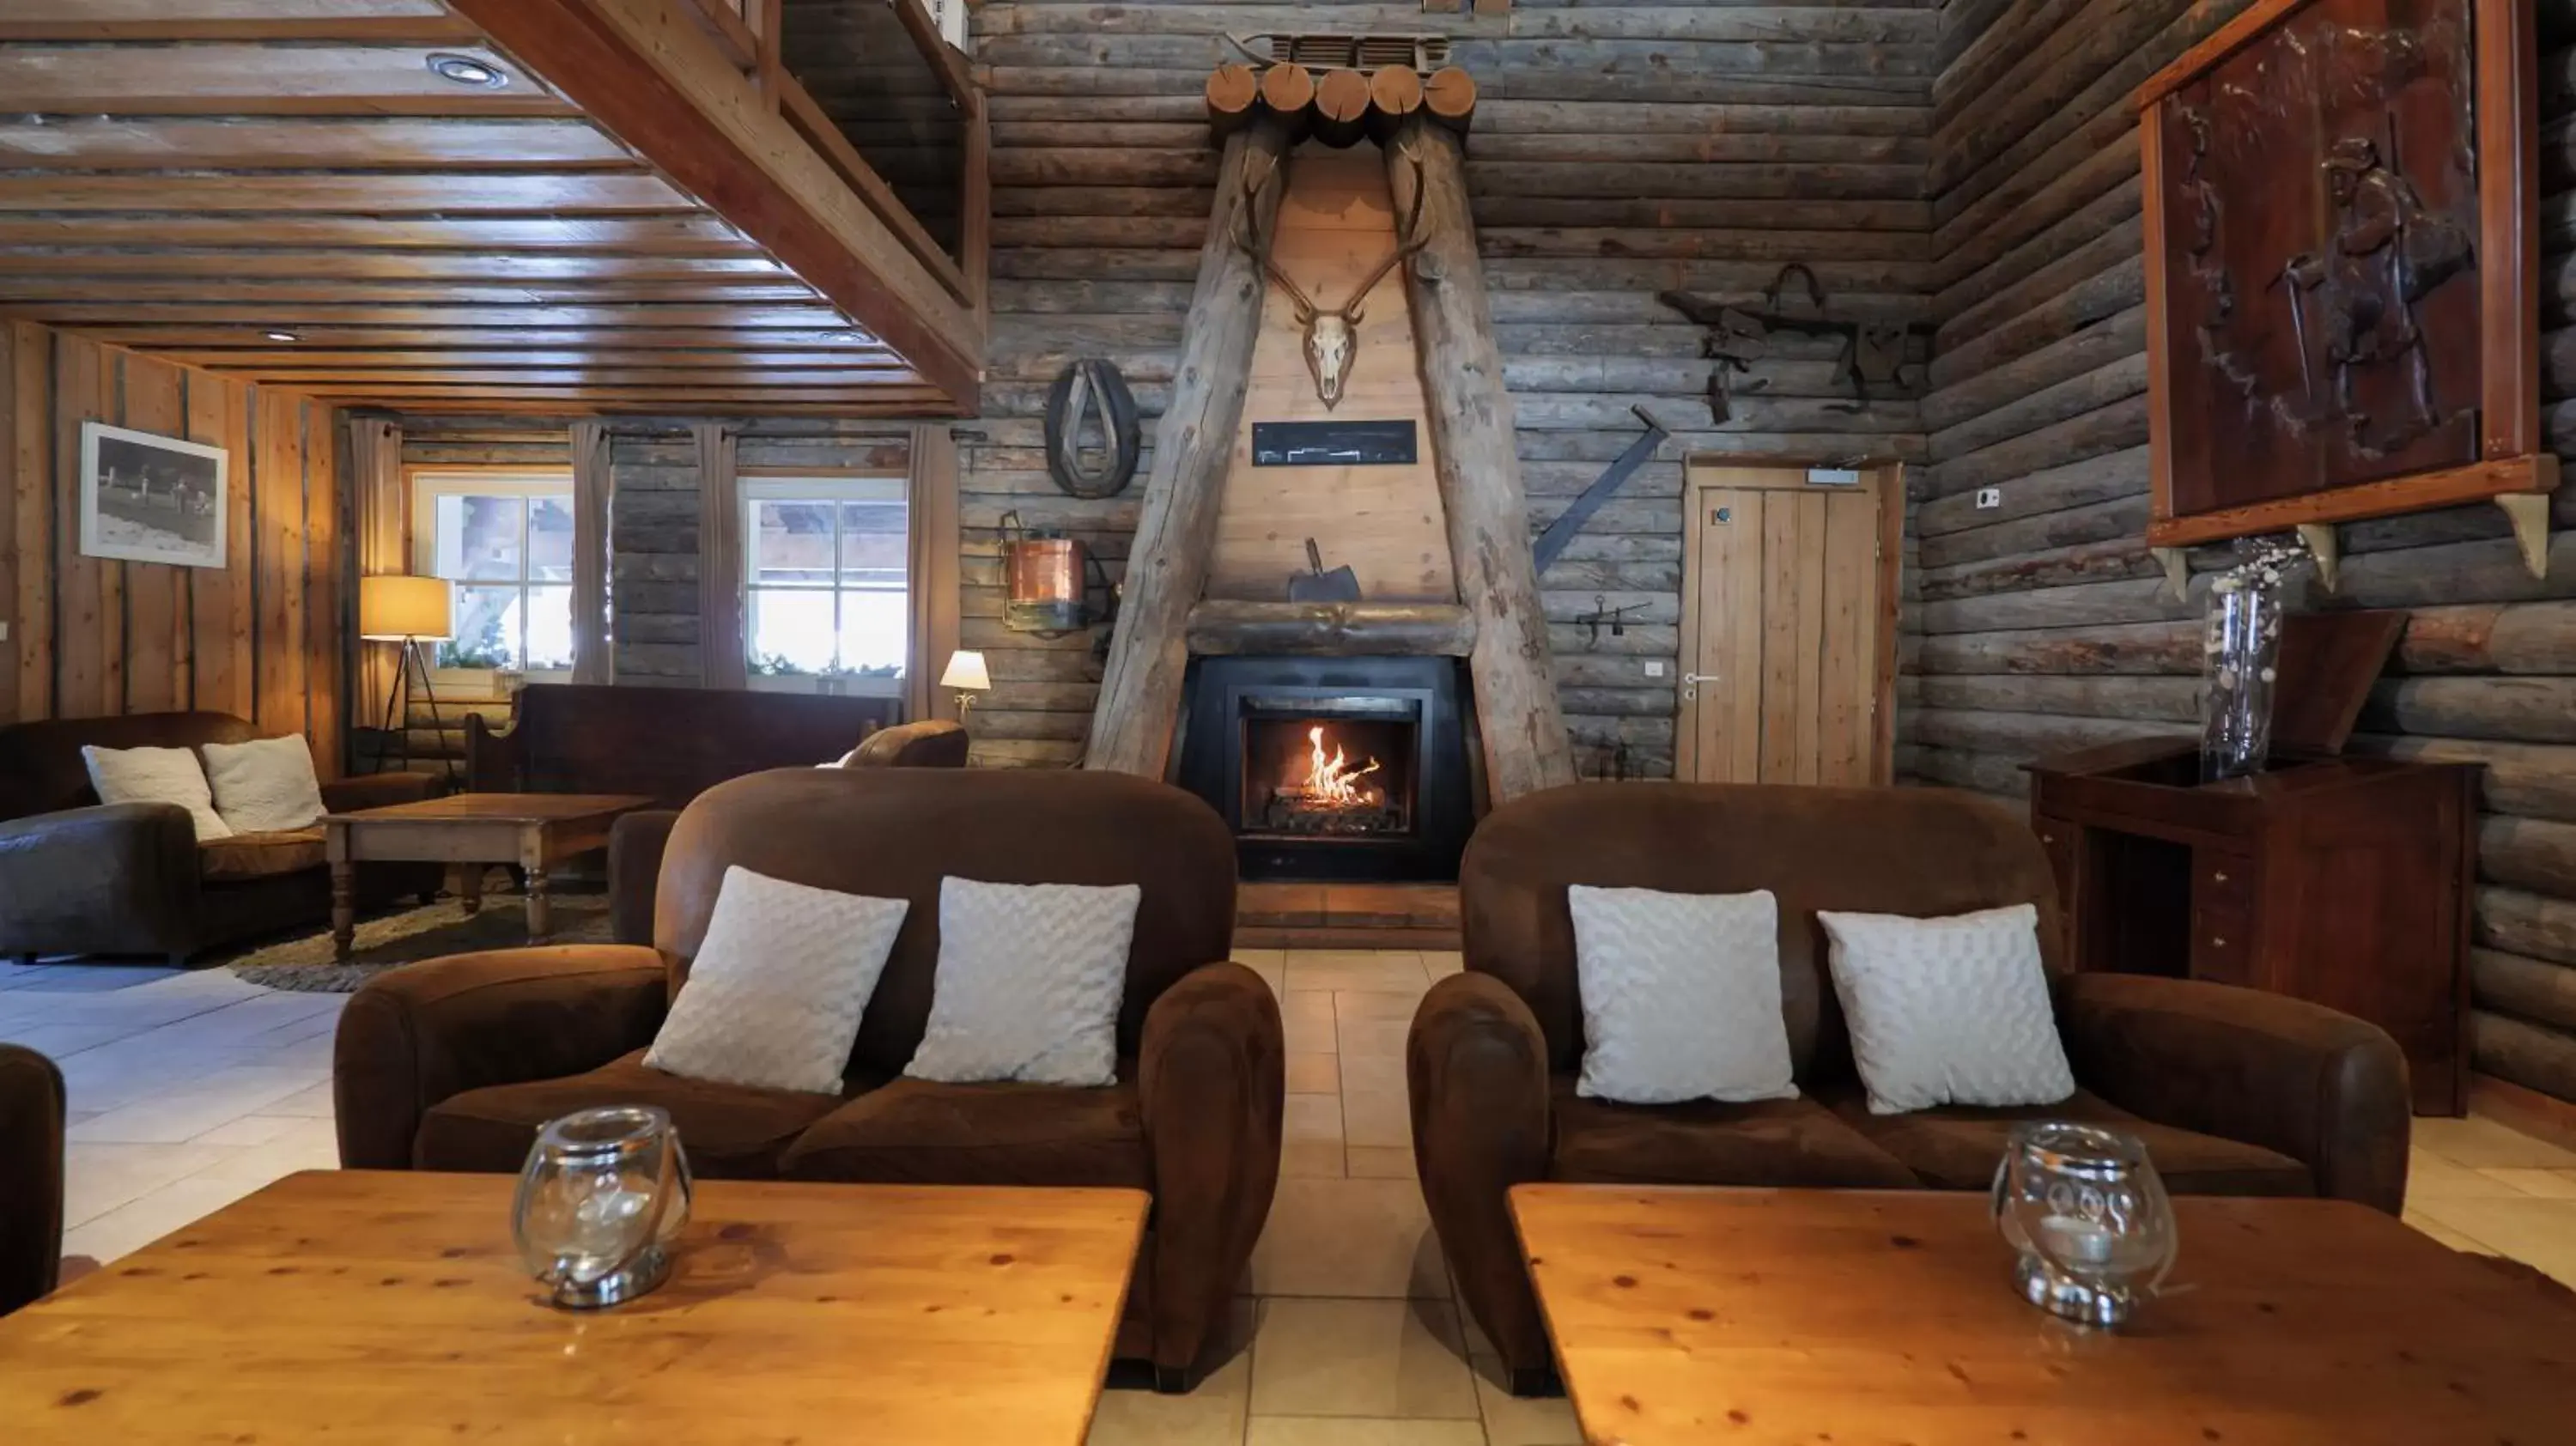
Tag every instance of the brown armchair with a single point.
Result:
(31, 1175)
(81, 877)
(2234, 1092)
(636, 840)
(452, 1064)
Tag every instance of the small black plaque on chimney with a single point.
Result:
(1333, 444)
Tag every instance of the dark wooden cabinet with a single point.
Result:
(2341, 880)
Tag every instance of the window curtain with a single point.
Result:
(931, 571)
(592, 487)
(384, 546)
(721, 650)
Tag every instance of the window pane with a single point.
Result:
(549, 627)
(479, 537)
(487, 628)
(791, 632)
(550, 540)
(791, 542)
(873, 543)
(873, 630)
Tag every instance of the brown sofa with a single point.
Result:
(668, 744)
(2233, 1091)
(636, 840)
(453, 1063)
(81, 877)
(31, 1175)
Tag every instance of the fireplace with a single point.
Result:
(1332, 769)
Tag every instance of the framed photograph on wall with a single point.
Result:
(145, 498)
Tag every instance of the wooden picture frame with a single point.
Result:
(2510, 465)
(149, 498)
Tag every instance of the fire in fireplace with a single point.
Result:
(1323, 789)
(1332, 768)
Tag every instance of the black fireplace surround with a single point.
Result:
(1253, 728)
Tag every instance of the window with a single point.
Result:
(506, 542)
(825, 572)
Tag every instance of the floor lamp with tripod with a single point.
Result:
(395, 608)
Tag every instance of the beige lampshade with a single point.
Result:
(392, 607)
(966, 672)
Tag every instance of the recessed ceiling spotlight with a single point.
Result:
(282, 336)
(466, 70)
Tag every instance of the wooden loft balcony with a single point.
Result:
(554, 206)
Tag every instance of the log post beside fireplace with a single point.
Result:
(1476, 458)
(1140, 692)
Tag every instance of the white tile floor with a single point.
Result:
(189, 1091)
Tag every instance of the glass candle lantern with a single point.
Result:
(2089, 1217)
(603, 1195)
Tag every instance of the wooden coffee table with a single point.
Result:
(536, 831)
(1860, 1316)
(391, 1308)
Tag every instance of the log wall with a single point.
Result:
(1618, 149)
(261, 637)
(2039, 625)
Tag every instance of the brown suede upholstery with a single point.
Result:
(81, 877)
(31, 1175)
(2234, 1092)
(452, 1064)
(260, 855)
(636, 841)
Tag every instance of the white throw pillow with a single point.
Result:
(1028, 983)
(156, 775)
(264, 786)
(1948, 1011)
(1681, 996)
(776, 991)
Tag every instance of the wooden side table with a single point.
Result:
(535, 831)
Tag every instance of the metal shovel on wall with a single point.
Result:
(1339, 585)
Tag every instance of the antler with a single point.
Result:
(1250, 245)
(1353, 309)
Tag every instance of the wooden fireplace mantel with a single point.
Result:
(1220, 628)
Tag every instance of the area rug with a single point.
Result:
(304, 963)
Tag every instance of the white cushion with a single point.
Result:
(1948, 1011)
(264, 786)
(156, 775)
(1028, 983)
(1681, 996)
(775, 993)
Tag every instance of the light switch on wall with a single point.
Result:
(1654, 667)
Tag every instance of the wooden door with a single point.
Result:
(1788, 629)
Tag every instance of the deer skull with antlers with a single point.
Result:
(1331, 333)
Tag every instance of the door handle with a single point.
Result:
(1691, 682)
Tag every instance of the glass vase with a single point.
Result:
(2089, 1217)
(2241, 652)
(602, 1197)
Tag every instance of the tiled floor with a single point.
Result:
(189, 1091)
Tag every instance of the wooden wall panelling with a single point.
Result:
(1334, 226)
(155, 597)
(18, 418)
(84, 615)
(221, 599)
(2040, 625)
(1615, 152)
(278, 506)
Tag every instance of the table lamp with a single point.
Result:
(967, 674)
(395, 608)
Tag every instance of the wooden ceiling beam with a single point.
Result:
(389, 266)
(741, 318)
(667, 396)
(691, 234)
(838, 380)
(389, 143)
(649, 76)
(376, 20)
(227, 79)
(344, 194)
(695, 361)
(277, 297)
(677, 340)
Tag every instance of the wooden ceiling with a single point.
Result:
(289, 191)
